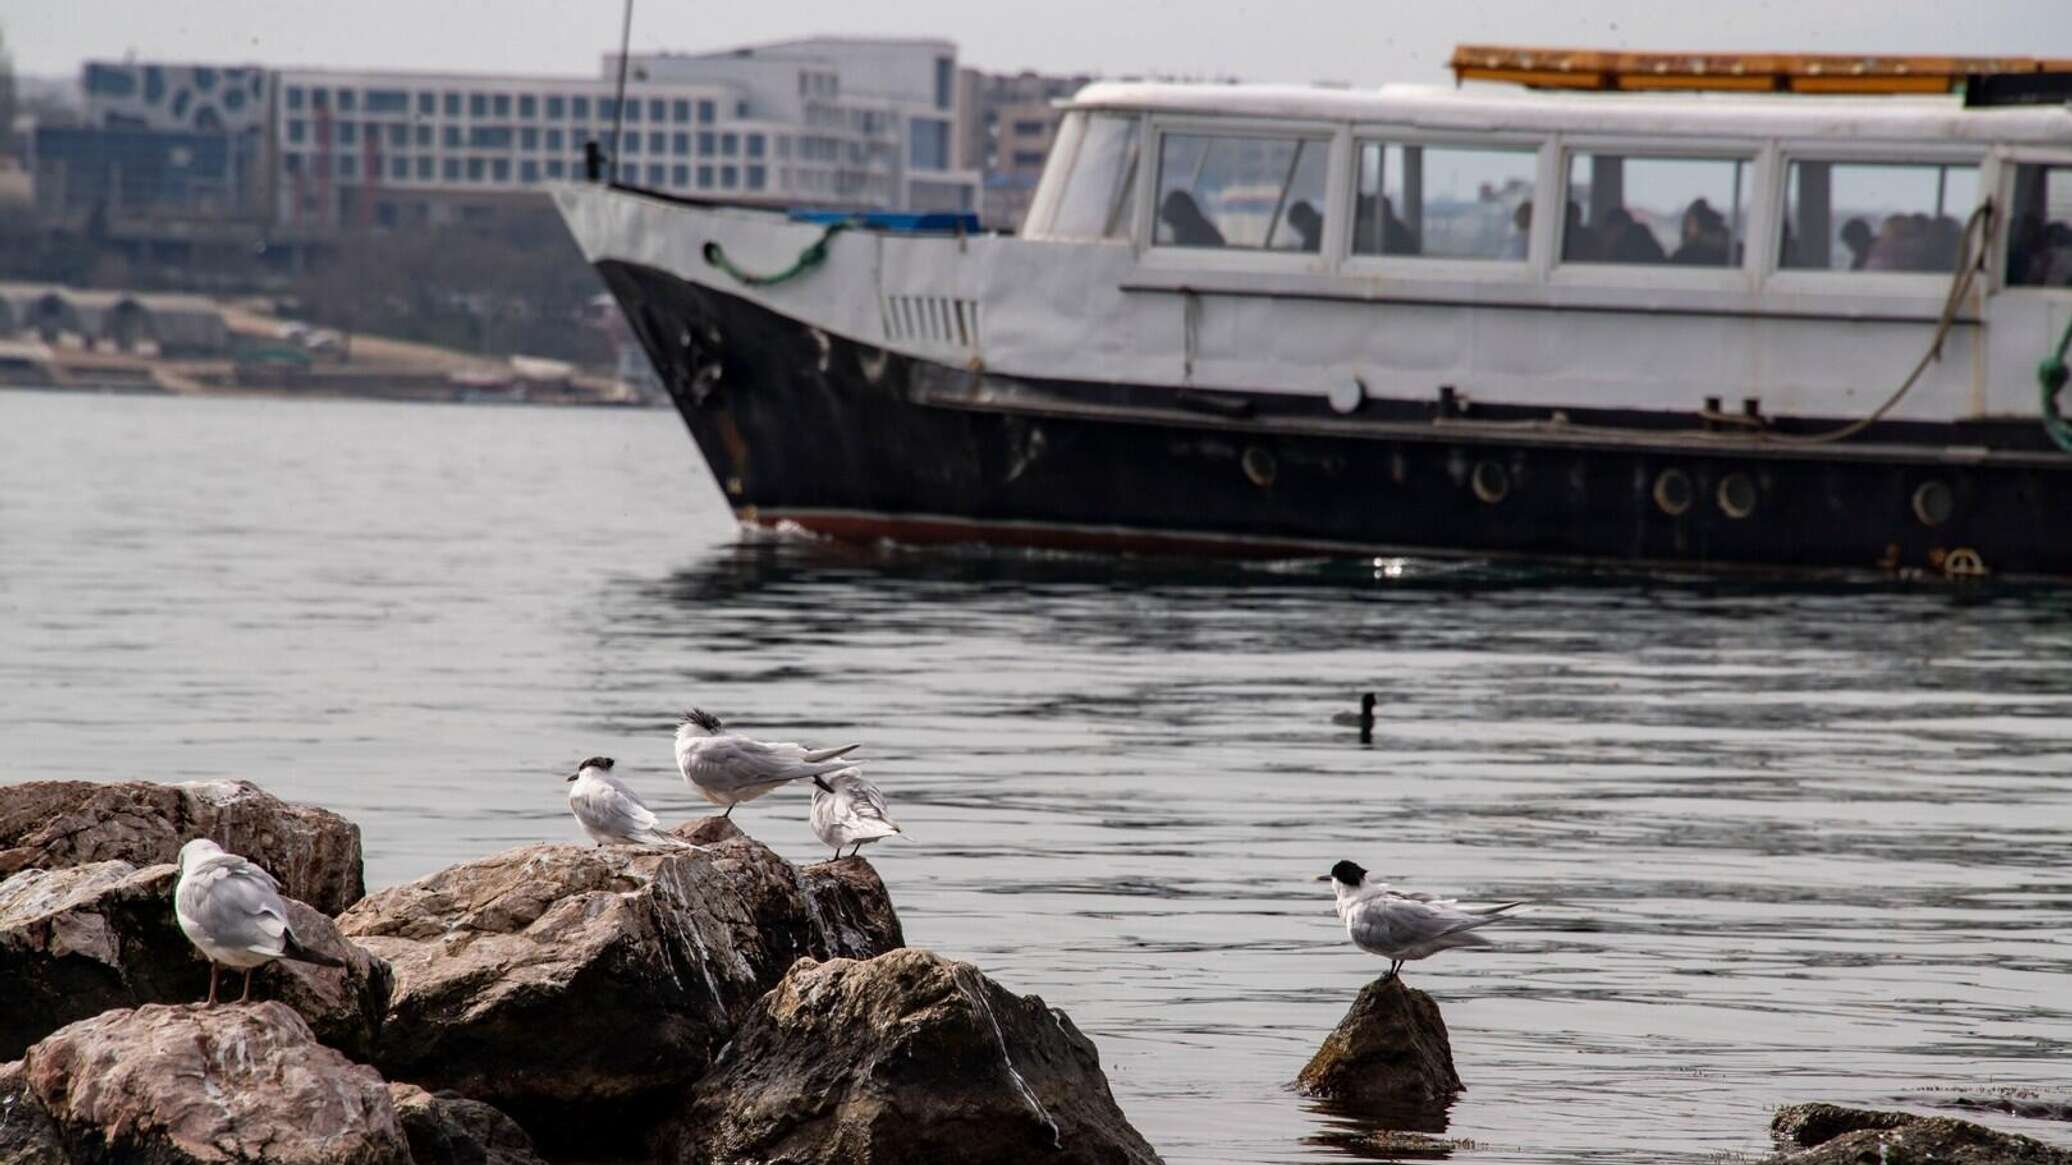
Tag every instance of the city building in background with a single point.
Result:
(1007, 124)
(863, 122)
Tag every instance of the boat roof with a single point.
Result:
(1909, 119)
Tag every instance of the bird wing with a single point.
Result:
(864, 806)
(612, 807)
(238, 905)
(1393, 922)
(736, 762)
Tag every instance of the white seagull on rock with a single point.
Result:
(727, 769)
(231, 910)
(609, 811)
(1401, 926)
(848, 809)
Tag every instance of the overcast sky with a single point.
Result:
(1364, 42)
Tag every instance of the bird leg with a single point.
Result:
(214, 971)
(856, 850)
(246, 997)
(728, 813)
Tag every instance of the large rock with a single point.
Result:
(579, 988)
(1828, 1134)
(27, 1134)
(905, 1057)
(48, 825)
(77, 941)
(1389, 1051)
(191, 1085)
(448, 1129)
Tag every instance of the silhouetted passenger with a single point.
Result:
(1902, 245)
(1706, 242)
(1578, 243)
(1519, 245)
(1308, 224)
(1190, 227)
(1626, 241)
(1856, 235)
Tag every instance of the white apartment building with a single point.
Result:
(834, 122)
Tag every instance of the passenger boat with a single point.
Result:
(1793, 325)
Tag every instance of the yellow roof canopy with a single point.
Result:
(1545, 68)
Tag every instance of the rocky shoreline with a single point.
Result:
(705, 1005)
(712, 1003)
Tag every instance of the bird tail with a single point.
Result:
(821, 754)
(302, 954)
(1492, 911)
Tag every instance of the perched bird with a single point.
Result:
(727, 769)
(609, 811)
(231, 910)
(1401, 926)
(1362, 720)
(846, 809)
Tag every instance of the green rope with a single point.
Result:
(814, 254)
(2051, 374)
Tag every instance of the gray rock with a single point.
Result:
(904, 1057)
(192, 1085)
(1829, 1134)
(77, 941)
(580, 988)
(448, 1129)
(53, 824)
(2019, 1102)
(1389, 1051)
(851, 909)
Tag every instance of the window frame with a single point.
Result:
(1337, 140)
(1763, 195)
(1539, 243)
(1838, 287)
(2002, 163)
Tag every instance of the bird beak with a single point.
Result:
(572, 776)
(822, 785)
(1323, 877)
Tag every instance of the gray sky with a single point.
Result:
(1364, 42)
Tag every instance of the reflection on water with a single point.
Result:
(1789, 844)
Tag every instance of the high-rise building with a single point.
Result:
(1007, 124)
(871, 120)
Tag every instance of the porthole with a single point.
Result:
(1934, 502)
(1737, 495)
(1260, 466)
(1674, 492)
(1490, 482)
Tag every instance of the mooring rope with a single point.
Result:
(812, 256)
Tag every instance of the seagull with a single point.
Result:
(847, 808)
(727, 769)
(231, 910)
(1401, 926)
(1362, 720)
(609, 811)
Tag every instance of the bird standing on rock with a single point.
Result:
(1401, 926)
(609, 811)
(727, 769)
(231, 910)
(848, 809)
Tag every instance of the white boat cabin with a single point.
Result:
(1729, 213)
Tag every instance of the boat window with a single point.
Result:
(1878, 217)
(1449, 202)
(1631, 208)
(1096, 198)
(1258, 193)
(2039, 243)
